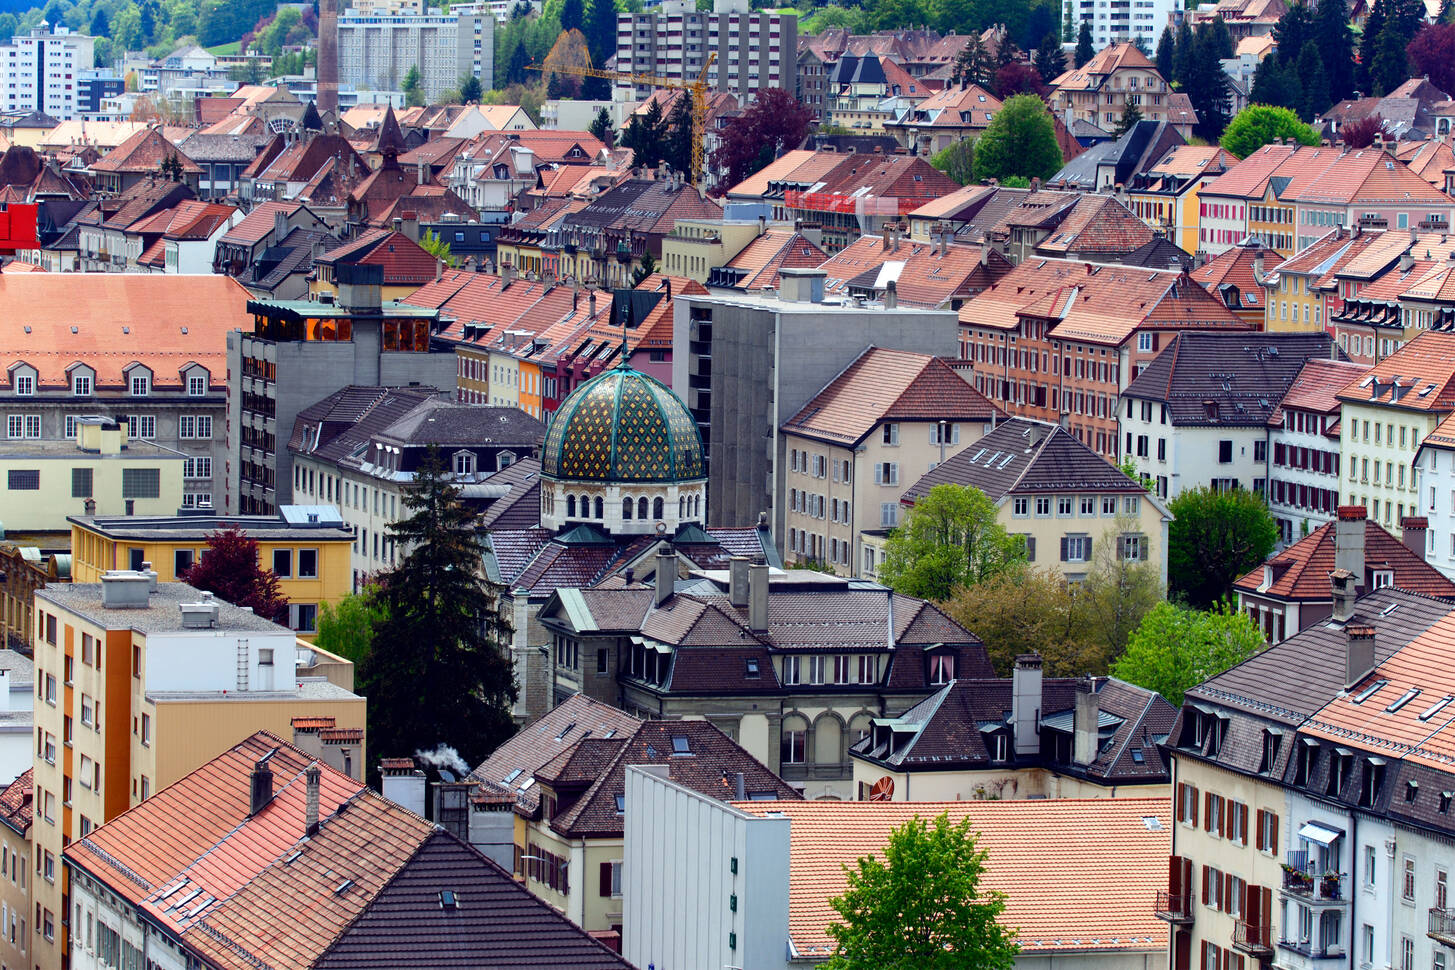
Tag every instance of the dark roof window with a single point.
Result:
(680, 745)
(448, 900)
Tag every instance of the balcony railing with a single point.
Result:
(1302, 878)
(1252, 939)
(1174, 907)
(1314, 949)
(1442, 926)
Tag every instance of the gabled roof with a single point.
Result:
(1301, 572)
(1021, 456)
(757, 264)
(1095, 72)
(1056, 901)
(644, 206)
(403, 259)
(888, 385)
(1244, 268)
(16, 803)
(143, 153)
(1317, 386)
(1420, 375)
(926, 275)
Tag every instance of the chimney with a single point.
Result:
(423, 175)
(762, 225)
(360, 287)
(1258, 266)
(403, 784)
(740, 786)
(1406, 261)
(591, 303)
(1085, 730)
(411, 225)
(151, 575)
(262, 786)
(1344, 591)
(507, 272)
(1349, 541)
(891, 296)
(1025, 703)
(1414, 531)
(758, 597)
(310, 817)
(738, 580)
(666, 575)
(89, 506)
(280, 226)
(1358, 654)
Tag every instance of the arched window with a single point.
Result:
(585, 506)
(827, 739)
(626, 508)
(657, 508)
(600, 508)
(570, 506)
(793, 746)
(642, 507)
(682, 506)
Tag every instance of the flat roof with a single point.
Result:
(160, 615)
(135, 448)
(199, 527)
(309, 689)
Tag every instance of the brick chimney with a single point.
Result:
(1359, 654)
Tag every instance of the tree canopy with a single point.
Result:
(1432, 54)
(1216, 537)
(949, 538)
(1019, 141)
(922, 907)
(437, 668)
(1175, 648)
(347, 629)
(775, 123)
(229, 568)
(957, 161)
(1261, 124)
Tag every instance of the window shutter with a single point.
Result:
(1121, 547)
(878, 473)
(1181, 814)
(1193, 802)
(605, 879)
(1259, 817)
(1243, 824)
(1207, 811)
(1227, 906)
(1273, 833)
(1063, 548)
(1156, 340)
(1225, 824)
(1142, 548)
(1206, 873)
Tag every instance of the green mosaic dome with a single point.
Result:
(623, 426)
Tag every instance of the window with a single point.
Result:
(88, 711)
(307, 563)
(197, 468)
(942, 668)
(886, 473)
(25, 384)
(792, 748)
(1268, 832)
(1271, 744)
(23, 479)
(1021, 507)
(141, 385)
(141, 483)
(283, 563)
(196, 385)
(303, 617)
(1260, 451)
(890, 434)
(888, 514)
(464, 463)
(141, 426)
(1043, 507)
(81, 483)
(22, 426)
(1407, 888)
(1225, 452)
(1076, 548)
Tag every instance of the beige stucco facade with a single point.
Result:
(998, 783)
(582, 902)
(834, 493)
(1378, 445)
(696, 247)
(15, 907)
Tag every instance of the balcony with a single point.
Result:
(1174, 908)
(1306, 881)
(1254, 940)
(1314, 950)
(1442, 926)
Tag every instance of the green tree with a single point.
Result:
(600, 34)
(1166, 49)
(1274, 85)
(1206, 84)
(1019, 141)
(974, 65)
(470, 91)
(1117, 593)
(9, 24)
(230, 568)
(1176, 648)
(647, 268)
(603, 129)
(1216, 537)
(646, 136)
(949, 538)
(1029, 611)
(1313, 82)
(250, 72)
(957, 161)
(1260, 124)
(100, 25)
(677, 150)
(431, 243)
(437, 668)
(1335, 41)
(519, 61)
(171, 167)
(412, 87)
(1084, 50)
(922, 907)
(347, 629)
(573, 15)
(1050, 59)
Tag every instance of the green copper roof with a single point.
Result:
(623, 426)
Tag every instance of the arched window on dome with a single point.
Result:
(585, 506)
(642, 507)
(682, 506)
(570, 506)
(657, 508)
(600, 508)
(626, 508)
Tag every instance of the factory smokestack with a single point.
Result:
(327, 96)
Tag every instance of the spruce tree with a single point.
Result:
(1084, 50)
(1313, 83)
(603, 129)
(437, 670)
(1050, 59)
(1369, 49)
(1131, 114)
(1336, 47)
(1166, 48)
(677, 150)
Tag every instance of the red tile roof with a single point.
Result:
(405, 262)
(1048, 890)
(1301, 572)
(16, 802)
(143, 153)
(1318, 385)
(1419, 375)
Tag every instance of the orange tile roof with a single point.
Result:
(1317, 386)
(801, 167)
(162, 321)
(1047, 889)
(1423, 665)
(1301, 572)
(1249, 178)
(1108, 60)
(16, 802)
(957, 107)
(762, 258)
(947, 205)
(888, 385)
(1426, 362)
(1236, 266)
(144, 153)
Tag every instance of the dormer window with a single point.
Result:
(464, 462)
(196, 385)
(25, 382)
(141, 384)
(1383, 578)
(942, 668)
(82, 385)
(1272, 741)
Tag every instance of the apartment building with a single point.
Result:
(746, 362)
(1434, 464)
(756, 49)
(16, 815)
(1199, 414)
(138, 683)
(1311, 796)
(1066, 502)
(301, 353)
(1303, 448)
(1056, 337)
(376, 48)
(1386, 415)
(1141, 23)
(42, 71)
(1120, 75)
(1167, 193)
(145, 351)
(1290, 592)
(887, 418)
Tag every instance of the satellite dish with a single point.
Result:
(883, 790)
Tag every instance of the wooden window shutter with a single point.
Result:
(1156, 341)
(1260, 815)
(1207, 811)
(1193, 802)
(1087, 551)
(1121, 547)
(1242, 824)
(1227, 906)
(1225, 825)
(1181, 801)
(1063, 548)
(1273, 832)
(1142, 548)
(1265, 915)
(1031, 548)
(1206, 880)
(605, 879)
(1174, 876)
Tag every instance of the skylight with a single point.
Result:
(511, 777)
(1436, 707)
(1369, 691)
(679, 744)
(620, 804)
(448, 899)
(1402, 700)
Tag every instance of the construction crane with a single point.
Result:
(696, 89)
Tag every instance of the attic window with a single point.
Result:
(527, 783)
(448, 899)
(565, 730)
(1369, 691)
(1436, 707)
(1152, 823)
(512, 776)
(1445, 801)
(680, 745)
(752, 667)
(1411, 789)
(343, 887)
(620, 804)
(1402, 700)
(1138, 757)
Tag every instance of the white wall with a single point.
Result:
(678, 885)
(207, 660)
(1436, 501)
(1191, 453)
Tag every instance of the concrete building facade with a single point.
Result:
(756, 49)
(376, 49)
(42, 71)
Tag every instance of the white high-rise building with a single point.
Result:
(1138, 21)
(755, 49)
(42, 71)
(380, 42)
